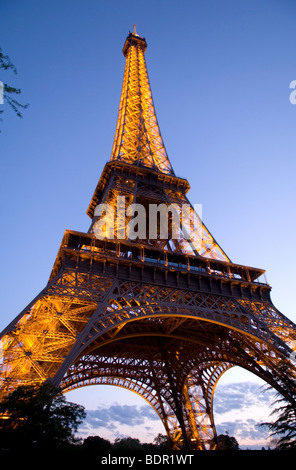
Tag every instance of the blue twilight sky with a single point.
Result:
(220, 72)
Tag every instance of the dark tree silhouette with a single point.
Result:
(96, 443)
(283, 428)
(226, 442)
(9, 91)
(38, 417)
(127, 443)
(162, 442)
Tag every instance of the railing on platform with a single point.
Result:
(136, 252)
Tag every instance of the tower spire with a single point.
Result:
(138, 139)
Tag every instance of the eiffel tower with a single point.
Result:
(162, 315)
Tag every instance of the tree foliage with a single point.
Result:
(283, 428)
(127, 443)
(96, 443)
(37, 417)
(162, 442)
(9, 91)
(226, 442)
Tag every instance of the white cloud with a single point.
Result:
(120, 414)
(119, 420)
(238, 409)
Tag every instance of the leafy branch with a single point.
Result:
(6, 64)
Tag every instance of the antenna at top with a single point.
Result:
(134, 31)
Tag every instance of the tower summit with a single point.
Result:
(162, 316)
(140, 170)
(138, 139)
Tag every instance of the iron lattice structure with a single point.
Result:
(160, 316)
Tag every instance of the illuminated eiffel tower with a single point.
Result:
(162, 315)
